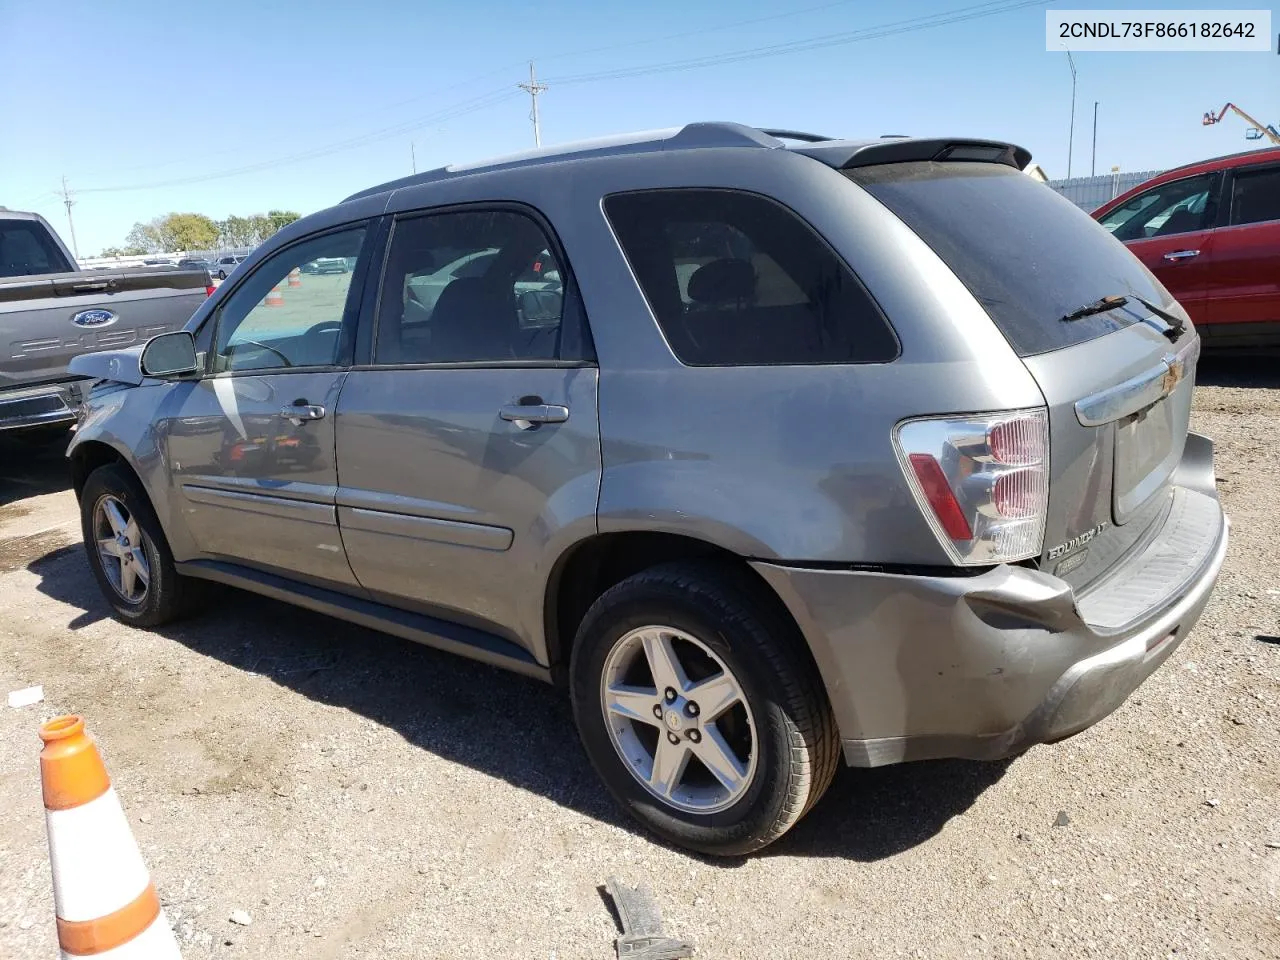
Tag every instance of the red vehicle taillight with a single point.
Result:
(208, 289)
(981, 480)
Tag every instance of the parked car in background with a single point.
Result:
(222, 269)
(52, 311)
(1210, 231)
(769, 454)
(158, 262)
(195, 263)
(327, 265)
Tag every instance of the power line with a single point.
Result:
(960, 15)
(534, 88)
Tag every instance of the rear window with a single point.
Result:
(1028, 255)
(736, 279)
(27, 250)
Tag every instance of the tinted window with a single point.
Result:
(26, 250)
(737, 279)
(1182, 206)
(269, 322)
(1255, 197)
(462, 287)
(1028, 255)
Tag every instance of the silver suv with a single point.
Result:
(771, 449)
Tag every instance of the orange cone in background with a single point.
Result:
(295, 277)
(103, 896)
(275, 298)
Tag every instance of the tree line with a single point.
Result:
(195, 231)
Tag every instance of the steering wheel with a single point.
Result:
(262, 346)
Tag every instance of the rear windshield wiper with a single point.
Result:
(1172, 331)
(1098, 306)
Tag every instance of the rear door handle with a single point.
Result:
(525, 415)
(1181, 254)
(300, 410)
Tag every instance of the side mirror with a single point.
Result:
(169, 355)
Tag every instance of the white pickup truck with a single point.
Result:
(52, 311)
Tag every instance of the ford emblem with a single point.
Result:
(94, 318)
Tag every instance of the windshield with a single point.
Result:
(27, 250)
(1028, 255)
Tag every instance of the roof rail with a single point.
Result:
(796, 135)
(691, 136)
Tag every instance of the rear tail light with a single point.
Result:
(982, 481)
(208, 289)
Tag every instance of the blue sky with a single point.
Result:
(133, 94)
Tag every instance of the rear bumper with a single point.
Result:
(42, 406)
(983, 667)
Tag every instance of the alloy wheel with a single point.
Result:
(679, 719)
(120, 548)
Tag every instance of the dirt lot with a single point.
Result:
(361, 796)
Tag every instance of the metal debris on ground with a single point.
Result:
(25, 697)
(642, 937)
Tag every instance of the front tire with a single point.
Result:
(699, 709)
(128, 552)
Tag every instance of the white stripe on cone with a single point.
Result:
(155, 943)
(97, 868)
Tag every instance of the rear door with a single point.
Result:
(251, 444)
(1244, 275)
(1117, 384)
(469, 444)
(1170, 229)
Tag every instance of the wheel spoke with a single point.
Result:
(669, 761)
(132, 533)
(114, 516)
(715, 695)
(634, 703)
(128, 580)
(719, 758)
(663, 662)
(108, 548)
(140, 567)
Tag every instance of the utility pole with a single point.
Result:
(533, 88)
(413, 156)
(1071, 136)
(66, 199)
(1093, 162)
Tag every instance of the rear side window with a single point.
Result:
(26, 250)
(736, 279)
(1028, 255)
(1255, 196)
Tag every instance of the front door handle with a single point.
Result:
(1181, 254)
(300, 410)
(526, 415)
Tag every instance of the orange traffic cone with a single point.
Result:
(275, 298)
(295, 277)
(103, 897)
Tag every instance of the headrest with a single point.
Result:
(723, 281)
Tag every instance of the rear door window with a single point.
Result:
(1028, 255)
(1182, 206)
(736, 279)
(26, 250)
(1255, 196)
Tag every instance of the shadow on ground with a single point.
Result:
(1225, 370)
(31, 466)
(504, 725)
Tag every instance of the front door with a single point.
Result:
(251, 444)
(468, 449)
(1170, 229)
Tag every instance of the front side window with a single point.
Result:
(469, 287)
(1255, 196)
(279, 318)
(736, 279)
(1182, 206)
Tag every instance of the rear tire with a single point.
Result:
(776, 746)
(128, 552)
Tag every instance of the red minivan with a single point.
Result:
(1211, 232)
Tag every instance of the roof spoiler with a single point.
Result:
(933, 148)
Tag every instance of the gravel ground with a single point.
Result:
(361, 796)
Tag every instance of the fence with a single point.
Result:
(1089, 193)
